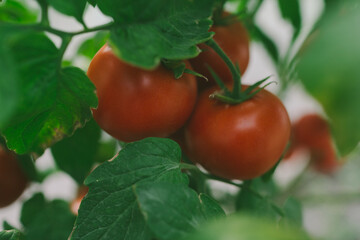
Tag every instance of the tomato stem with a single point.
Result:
(234, 71)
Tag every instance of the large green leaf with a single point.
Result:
(110, 210)
(146, 31)
(247, 227)
(329, 70)
(47, 102)
(173, 211)
(76, 155)
(46, 220)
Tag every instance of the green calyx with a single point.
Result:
(236, 95)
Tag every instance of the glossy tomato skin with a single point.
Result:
(240, 141)
(234, 41)
(136, 103)
(13, 180)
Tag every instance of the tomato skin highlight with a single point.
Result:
(234, 41)
(240, 141)
(13, 180)
(136, 103)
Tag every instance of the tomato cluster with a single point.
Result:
(313, 134)
(13, 180)
(234, 141)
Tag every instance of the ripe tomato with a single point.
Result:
(13, 180)
(136, 103)
(240, 141)
(234, 41)
(312, 132)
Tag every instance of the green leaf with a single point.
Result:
(255, 198)
(74, 8)
(173, 211)
(46, 220)
(293, 212)
(16, 11)
(246, 227)
(49, 102)
(146, 31)
(11, 235)
(76, 155)
(110, 209)
(329, 70)
(290, 10)
(92, 45)
(269, 45)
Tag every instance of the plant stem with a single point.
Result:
(234, 71)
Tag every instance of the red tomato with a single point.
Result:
(234, 41)
(312, 132)
(240, 141)
(13, 180)
(136, 103)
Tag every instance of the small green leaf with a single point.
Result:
(293, 212)
(329, 70)
(71, 8)
(269, 45)
(16, 11)
(172, 28)
(110, 209)
(11, 235)
(76, 155)
(46, 220)
(92, 45)
(173, 211)
(247, 227)
(290, 10)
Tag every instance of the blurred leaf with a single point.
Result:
(173, 211)
(172, 28)
(248, 202)
(328, 68)
(269, 45)
(246, 228)
(290, 10)
(71, 8)
(11, 235)
(16, 11)
(50, 102)
(293, 212)
(76, 155)
(110, 210)
(46, 220)
(28, 166)
(105, 151)
(8, 226)
(92, 45)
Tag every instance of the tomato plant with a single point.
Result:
(128, 68)
(136, 103)
(13, 180)
(238, 141)
(233, 38)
